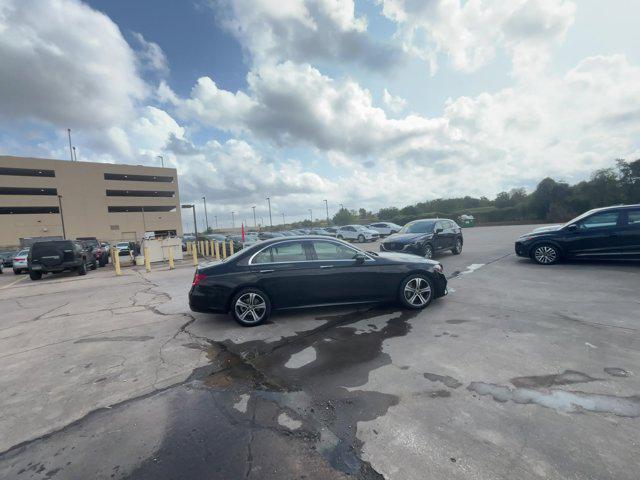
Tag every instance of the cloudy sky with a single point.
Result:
(370, 103)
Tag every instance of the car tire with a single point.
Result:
(340, 237)
(243, 300)
(82, 269)
(427, 251)
(457, 249)
(17, 271)
(361, 238)
(416, 291)
(35, 275)
(545, 254)
(94, 265)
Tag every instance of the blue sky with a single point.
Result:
(369, 104)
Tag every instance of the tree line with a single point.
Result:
(551, 201)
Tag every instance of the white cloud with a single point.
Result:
(303, 31)
(151, 56)
(469, 32)
(49, 70)
(394, 103)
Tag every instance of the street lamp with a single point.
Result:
(75, 155)
(161, 160)
(70, 149)
(311, 215)
(195, 225)
(64, 233)
(326, 205)
(206, 217)
(270, 219)
(255, 224)
(233, 220)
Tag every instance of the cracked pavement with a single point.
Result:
(522, 371)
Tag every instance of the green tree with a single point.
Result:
(344, 217)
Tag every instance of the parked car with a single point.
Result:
(357, 233)
(102, 255)
(287, 233)
(6, 258)
(333, 231)
(268, 235)
(218, 237)
(385, 228)
(1, 267)
(52, 256)
(320, 231)
(425, 238)
(302, 272)
(19, 263)
(604, 233)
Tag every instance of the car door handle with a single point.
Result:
(266, 271)
(326, 266)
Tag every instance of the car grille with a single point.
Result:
(393, 246)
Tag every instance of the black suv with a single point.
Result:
(603, 233)
(53, 256)
(101, 253)
(425, 238)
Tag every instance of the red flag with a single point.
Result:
(242, 232)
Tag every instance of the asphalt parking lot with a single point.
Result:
(522, 371)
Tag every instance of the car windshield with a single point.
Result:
(22, 253)
(579, 217)
(419, 226)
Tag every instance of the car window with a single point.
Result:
(333, 251)
(599, 220)
(419, 226)
(283, 252)
(634, 218)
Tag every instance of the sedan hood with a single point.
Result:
(404, 237)
(548, 228)
(406, 257)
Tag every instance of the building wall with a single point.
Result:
(85, 204)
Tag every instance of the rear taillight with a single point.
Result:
(197, 278)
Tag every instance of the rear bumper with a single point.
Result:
(201, 302)
(55, 268)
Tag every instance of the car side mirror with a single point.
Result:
(360, 257)
(573, 227)
(439, 230)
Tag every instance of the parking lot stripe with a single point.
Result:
(13, 283)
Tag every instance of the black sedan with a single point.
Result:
(425, 238)
(604, 233)
(312, 271)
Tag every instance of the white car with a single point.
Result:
(357, 233)
(385, 228)
(20, 262)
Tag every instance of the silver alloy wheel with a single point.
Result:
(428, 252)
(545, 254)
(459, 245)
(250, 307)
(417, 292)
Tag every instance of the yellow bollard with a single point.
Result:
(116, 261)
(147, 261)
(231, 247)
(217, 245)
(171, 265)
(224, 250)
(195, 255)
(188, 248)
(206, 248)
(201, 248)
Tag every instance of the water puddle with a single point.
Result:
(561, 400)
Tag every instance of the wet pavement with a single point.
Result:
(521, 372)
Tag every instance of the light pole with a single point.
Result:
(255, 224)
(261, 222)
(283, 222)
(270, 219)
(144, 223)
(70, 149)
(75, 155)
(161, 160)
(311, 215)
(216, 218)
(195, 224)
(206, 217)
(64, 233)
(233, 220)
(326, 205)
